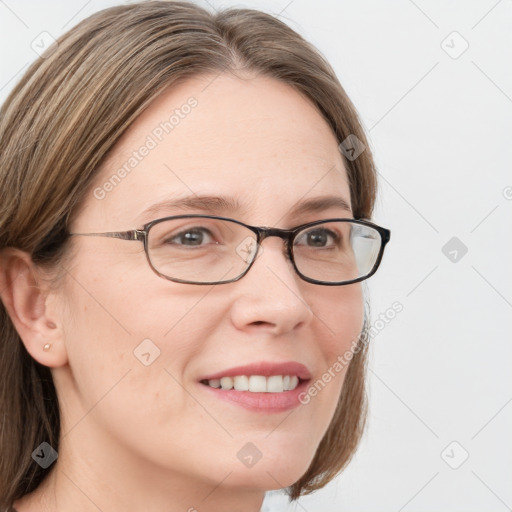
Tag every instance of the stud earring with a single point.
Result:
(47, 346)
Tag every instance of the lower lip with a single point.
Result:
(261, 402)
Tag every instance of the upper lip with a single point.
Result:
(264, 368)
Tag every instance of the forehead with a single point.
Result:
(255, 139)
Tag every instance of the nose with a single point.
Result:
(270, 296)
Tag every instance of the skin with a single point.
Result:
(138, 437)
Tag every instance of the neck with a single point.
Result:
(90, 480)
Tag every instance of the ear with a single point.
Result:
(26, 298)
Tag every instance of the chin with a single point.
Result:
(269, 473)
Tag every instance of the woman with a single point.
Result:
(183, 322)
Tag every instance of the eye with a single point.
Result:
(196, 236)
(318, 237)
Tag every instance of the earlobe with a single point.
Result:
(25, 296)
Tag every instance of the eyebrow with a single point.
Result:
(216, 205)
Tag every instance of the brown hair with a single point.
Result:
(56, 128)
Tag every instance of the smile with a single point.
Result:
(255, 383)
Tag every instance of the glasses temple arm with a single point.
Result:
(135, 234)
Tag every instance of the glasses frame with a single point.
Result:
(288, 235)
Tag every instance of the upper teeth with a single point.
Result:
(257, 383)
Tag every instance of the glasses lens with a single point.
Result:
(336, 251)
(200, 250)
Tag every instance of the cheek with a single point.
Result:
(340, 315)
(112, 326)
(126, 358)
(341, 312)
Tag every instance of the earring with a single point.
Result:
(47, 346)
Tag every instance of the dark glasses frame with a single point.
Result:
(288, 235)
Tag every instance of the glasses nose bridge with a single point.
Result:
(284, 234)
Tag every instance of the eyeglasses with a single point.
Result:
(206, 249)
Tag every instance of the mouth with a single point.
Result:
(261, 387)
(256, 383)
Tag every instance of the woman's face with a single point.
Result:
(138, 345)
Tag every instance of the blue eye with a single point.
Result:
(191, 237)
(318, 237)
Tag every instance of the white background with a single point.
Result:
(440, 128)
